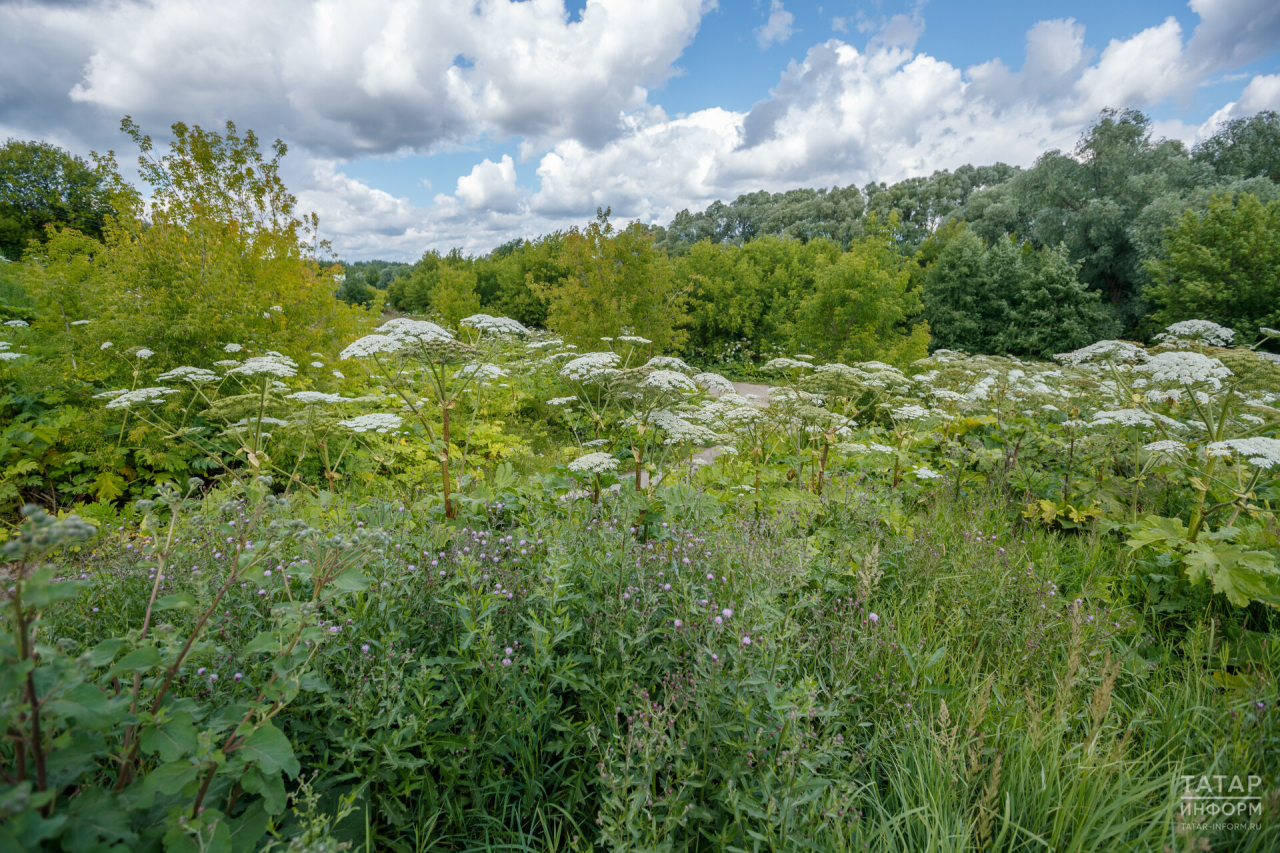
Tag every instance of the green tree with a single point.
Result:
(1222, 265)
(454, 294)
(859, 307)
(1245, 147)
(42, 185)
(1009, 299)
(618, 283)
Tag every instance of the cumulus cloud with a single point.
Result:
(348, 79)
(342, 81)
(777, 29)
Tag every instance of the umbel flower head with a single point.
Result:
(591, 367)
(376, 422)
(1197, 331)
(195, 375)
(1134, 418)
(783, 364)
(1186, 368)
(494, 325)
(1103, 351)
(406, 329)
(271, 364)
(125, 399)
(594, 463)
(1262, 452)
(311, 398)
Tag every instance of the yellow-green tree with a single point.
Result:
(618, 283)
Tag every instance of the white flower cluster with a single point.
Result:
(714, 382)
(1261, 452)
(633, 339)
(196, 375)
(561, 401)
(1134, 418)
(1197, 331)
(482, 371)
(496, 325)
(144, 353)
(376, 422)
(1167, 447)
(5, 355)
(271, 364)
(924, 473)
(910, 413)
(668, 380)
(17, 324)
(594, 463)
(544, 344)
(591, 367)
(232, 348)
(1186, 368)
(403, 328)
(669, 362)
(311, 398)
(370, 345)
(679, 429)
(1103, 351)
(125, 399)
(781, 364)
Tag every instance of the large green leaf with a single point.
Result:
(271, 749)
(172, 739)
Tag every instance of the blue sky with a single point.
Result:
(420, 124)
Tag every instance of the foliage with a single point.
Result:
(42, 186)
(1244, 147)
(1006, 298)
(1223, 265)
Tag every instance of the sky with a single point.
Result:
(415, 125)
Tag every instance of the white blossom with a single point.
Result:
(272, 364)
(140, 395)
(496, 325)
(311, 398)
(594, 463)
(910, 413)
(106, 345)
(375, 422)
(17, 323)
(403, 328)
(1167, 447)
(1186, 368)
(591, 367)
(669, 362)
(1134, 418)
(785, 364)
(317, 364)
(144, 353)
(10, 356)
(714, 382)
(1200, 331)
(81, 322)
(482, 371)
(1103, 351)
(543, 344)
(561, 401)
(188, 374)
(1261, 452)
(370, 345)
(668, 380)
(924, 473)
(232, 348)
(634, 339)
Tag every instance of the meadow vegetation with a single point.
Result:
(517, 567)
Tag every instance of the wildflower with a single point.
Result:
(364, 647)
(17, 323)
(668, 380)
(10, 356)
(668, 362)
(634, 339)
(232, 348)
(1103, 351)
(338, 374)
(195, 375)
(594, 463)
(910, 413)
(238, 676)
(678, 623)
(1199, 331)
(727, 612)
(311, 398)
(317, 364)
(144, 353)
(508, 651)
(561, 401)
(1134, 418)
(496, 325)
(404, 329)
(482, 371)
(1261, 452)
(371, 345)
(272, 364)
(714, 382)
(1186, 368)
(375, 422)
(785, 364)
(106, 345)
(1269, 332)
(1167, 447)
(591, 367)
(874, 618)
(81, 322)
(125, 399)
(924, 473)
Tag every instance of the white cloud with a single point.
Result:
(374, 77)
(777, 29)
(491, 186)
(341, 81)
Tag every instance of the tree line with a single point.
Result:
(1121, 236)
